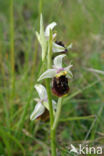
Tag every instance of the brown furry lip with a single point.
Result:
(60, 86)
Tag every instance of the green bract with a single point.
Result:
(41, 38)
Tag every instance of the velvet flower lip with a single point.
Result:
(42, 107)
(59, 75)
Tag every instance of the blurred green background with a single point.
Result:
(78, 21)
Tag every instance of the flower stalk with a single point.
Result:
(52, 131)
(57, 115)
(49, 58)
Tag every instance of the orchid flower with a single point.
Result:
(60, 76)
(43, 37)
(57, 70)
(42, 102)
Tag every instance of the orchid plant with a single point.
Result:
(55, 75)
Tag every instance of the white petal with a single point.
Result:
(50, 26)
(58, 61)
(38, 110)
(41, 91)
(69, 46)
(50, 73)
(57, 48)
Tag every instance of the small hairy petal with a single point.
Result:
(57, 48)
(50, 26)
(50, 73)
(38, 111)
(69, 46)
(41, 91)
(58, 61)
(68, 67)
(69, 73)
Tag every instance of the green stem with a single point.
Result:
(90, 117)
(53, 132)
(12, 58)
(50, 101)
(12, 46)
(53, 141)
(40, 7)
(57, 115)
(49, 58)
